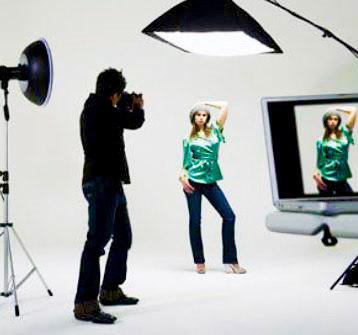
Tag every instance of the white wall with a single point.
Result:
(87, 36)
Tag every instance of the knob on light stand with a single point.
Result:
(34, 73)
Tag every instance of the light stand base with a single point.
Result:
(7, 291)
(6, 295)
(354, 262)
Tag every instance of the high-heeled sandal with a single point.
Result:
(234, 268)
(200, 268)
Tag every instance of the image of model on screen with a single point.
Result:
(332, 152)
(199, 178)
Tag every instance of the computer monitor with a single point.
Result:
(293, 125)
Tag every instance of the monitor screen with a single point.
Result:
(311, 145)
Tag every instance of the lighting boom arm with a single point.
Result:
(326, 32)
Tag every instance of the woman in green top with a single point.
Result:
(332, 153)
(201, 171)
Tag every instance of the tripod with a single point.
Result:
(7, 226)
(354, 262)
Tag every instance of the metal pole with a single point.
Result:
(17, 311)
(326, 32)
(6, 196)
(4, 186)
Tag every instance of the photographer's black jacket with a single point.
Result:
(102, 138)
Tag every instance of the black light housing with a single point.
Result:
(236, 32)
(35, 72)
(214, 16)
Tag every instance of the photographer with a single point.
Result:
(105, 170)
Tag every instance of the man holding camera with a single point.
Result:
(106, 113)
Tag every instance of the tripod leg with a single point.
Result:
(344, 273)
(17, 311)
(32, 262)
(6, 292)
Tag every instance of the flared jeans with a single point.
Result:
(217, 199)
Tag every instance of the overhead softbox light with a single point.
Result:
(221, 28)
(35, 72)
(215, 27)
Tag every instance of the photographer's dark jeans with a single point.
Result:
(218, 200)
(340, 188)
(108, 217)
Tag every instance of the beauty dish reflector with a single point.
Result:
(36, 61)
(34, 72)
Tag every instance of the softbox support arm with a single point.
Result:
(326, 32)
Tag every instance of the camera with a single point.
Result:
(126, 100)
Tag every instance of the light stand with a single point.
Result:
(328, 239)
(350, 266)
(35, 72)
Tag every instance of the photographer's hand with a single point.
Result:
(138, 101)
(133, 113)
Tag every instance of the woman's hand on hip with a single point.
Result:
(186, 185)
(320, 183)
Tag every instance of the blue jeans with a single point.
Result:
(108, 217)
(218, 200)
(336, 188)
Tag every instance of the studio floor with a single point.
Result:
(285, 296)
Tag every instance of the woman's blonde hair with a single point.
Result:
(195, 129)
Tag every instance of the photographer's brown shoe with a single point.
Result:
(116, 297)
(90, 311)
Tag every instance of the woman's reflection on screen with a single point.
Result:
(332, 152)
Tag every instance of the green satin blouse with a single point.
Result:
(201, 157)
(332, 156)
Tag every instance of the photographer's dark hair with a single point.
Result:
(109, 82)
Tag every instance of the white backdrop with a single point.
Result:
(87, 36)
